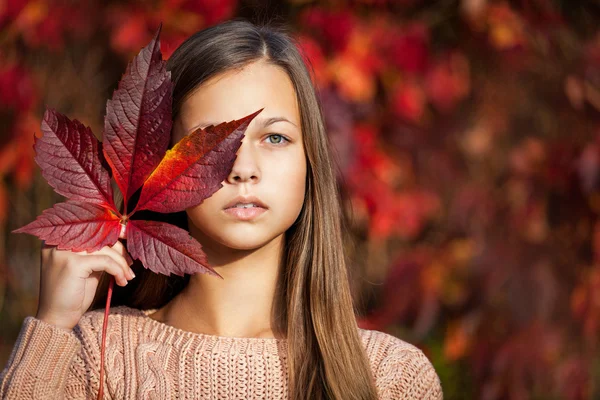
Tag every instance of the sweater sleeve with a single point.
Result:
(406, 373)
(47, 362)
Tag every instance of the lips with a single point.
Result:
(245, 214)
(246, 199)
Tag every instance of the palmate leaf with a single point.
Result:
(137, 132)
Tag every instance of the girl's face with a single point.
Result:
(270, 163)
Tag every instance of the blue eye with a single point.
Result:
(279, 138)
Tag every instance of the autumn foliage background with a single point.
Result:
(468, 136)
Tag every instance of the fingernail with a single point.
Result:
(132, 274)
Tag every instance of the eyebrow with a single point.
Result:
(264, 122)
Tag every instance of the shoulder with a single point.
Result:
(401, 370)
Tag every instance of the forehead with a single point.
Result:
(237, 93)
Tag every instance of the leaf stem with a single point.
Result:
(111, 283)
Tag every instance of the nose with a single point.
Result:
(245, 168)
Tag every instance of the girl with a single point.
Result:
(281, 324)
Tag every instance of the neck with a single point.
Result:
(241, 304)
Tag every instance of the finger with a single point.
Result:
(120, 248)
(117, 248)
(106, 264)
(108, 251)
(117, 257)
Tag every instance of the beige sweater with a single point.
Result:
(147, 359)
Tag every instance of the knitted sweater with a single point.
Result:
(147, 359)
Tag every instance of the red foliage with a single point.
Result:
(17, 89)
(334, 26)
(136, 137)
(409, 48)
(469, 142)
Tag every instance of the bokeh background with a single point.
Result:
(468, 136)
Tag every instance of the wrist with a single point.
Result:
(55, 322)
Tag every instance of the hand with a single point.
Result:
(68, 280)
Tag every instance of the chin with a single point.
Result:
(247, 238)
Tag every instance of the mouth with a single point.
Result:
(244, 206)
(245, 212)
(245, 202)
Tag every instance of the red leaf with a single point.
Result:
(194, 169)
(164, 248)
(71, 160)
(75, 226)
(138, 121)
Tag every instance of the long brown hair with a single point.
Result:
(313, 304)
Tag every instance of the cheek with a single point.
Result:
(205, 214)
(289, 188)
